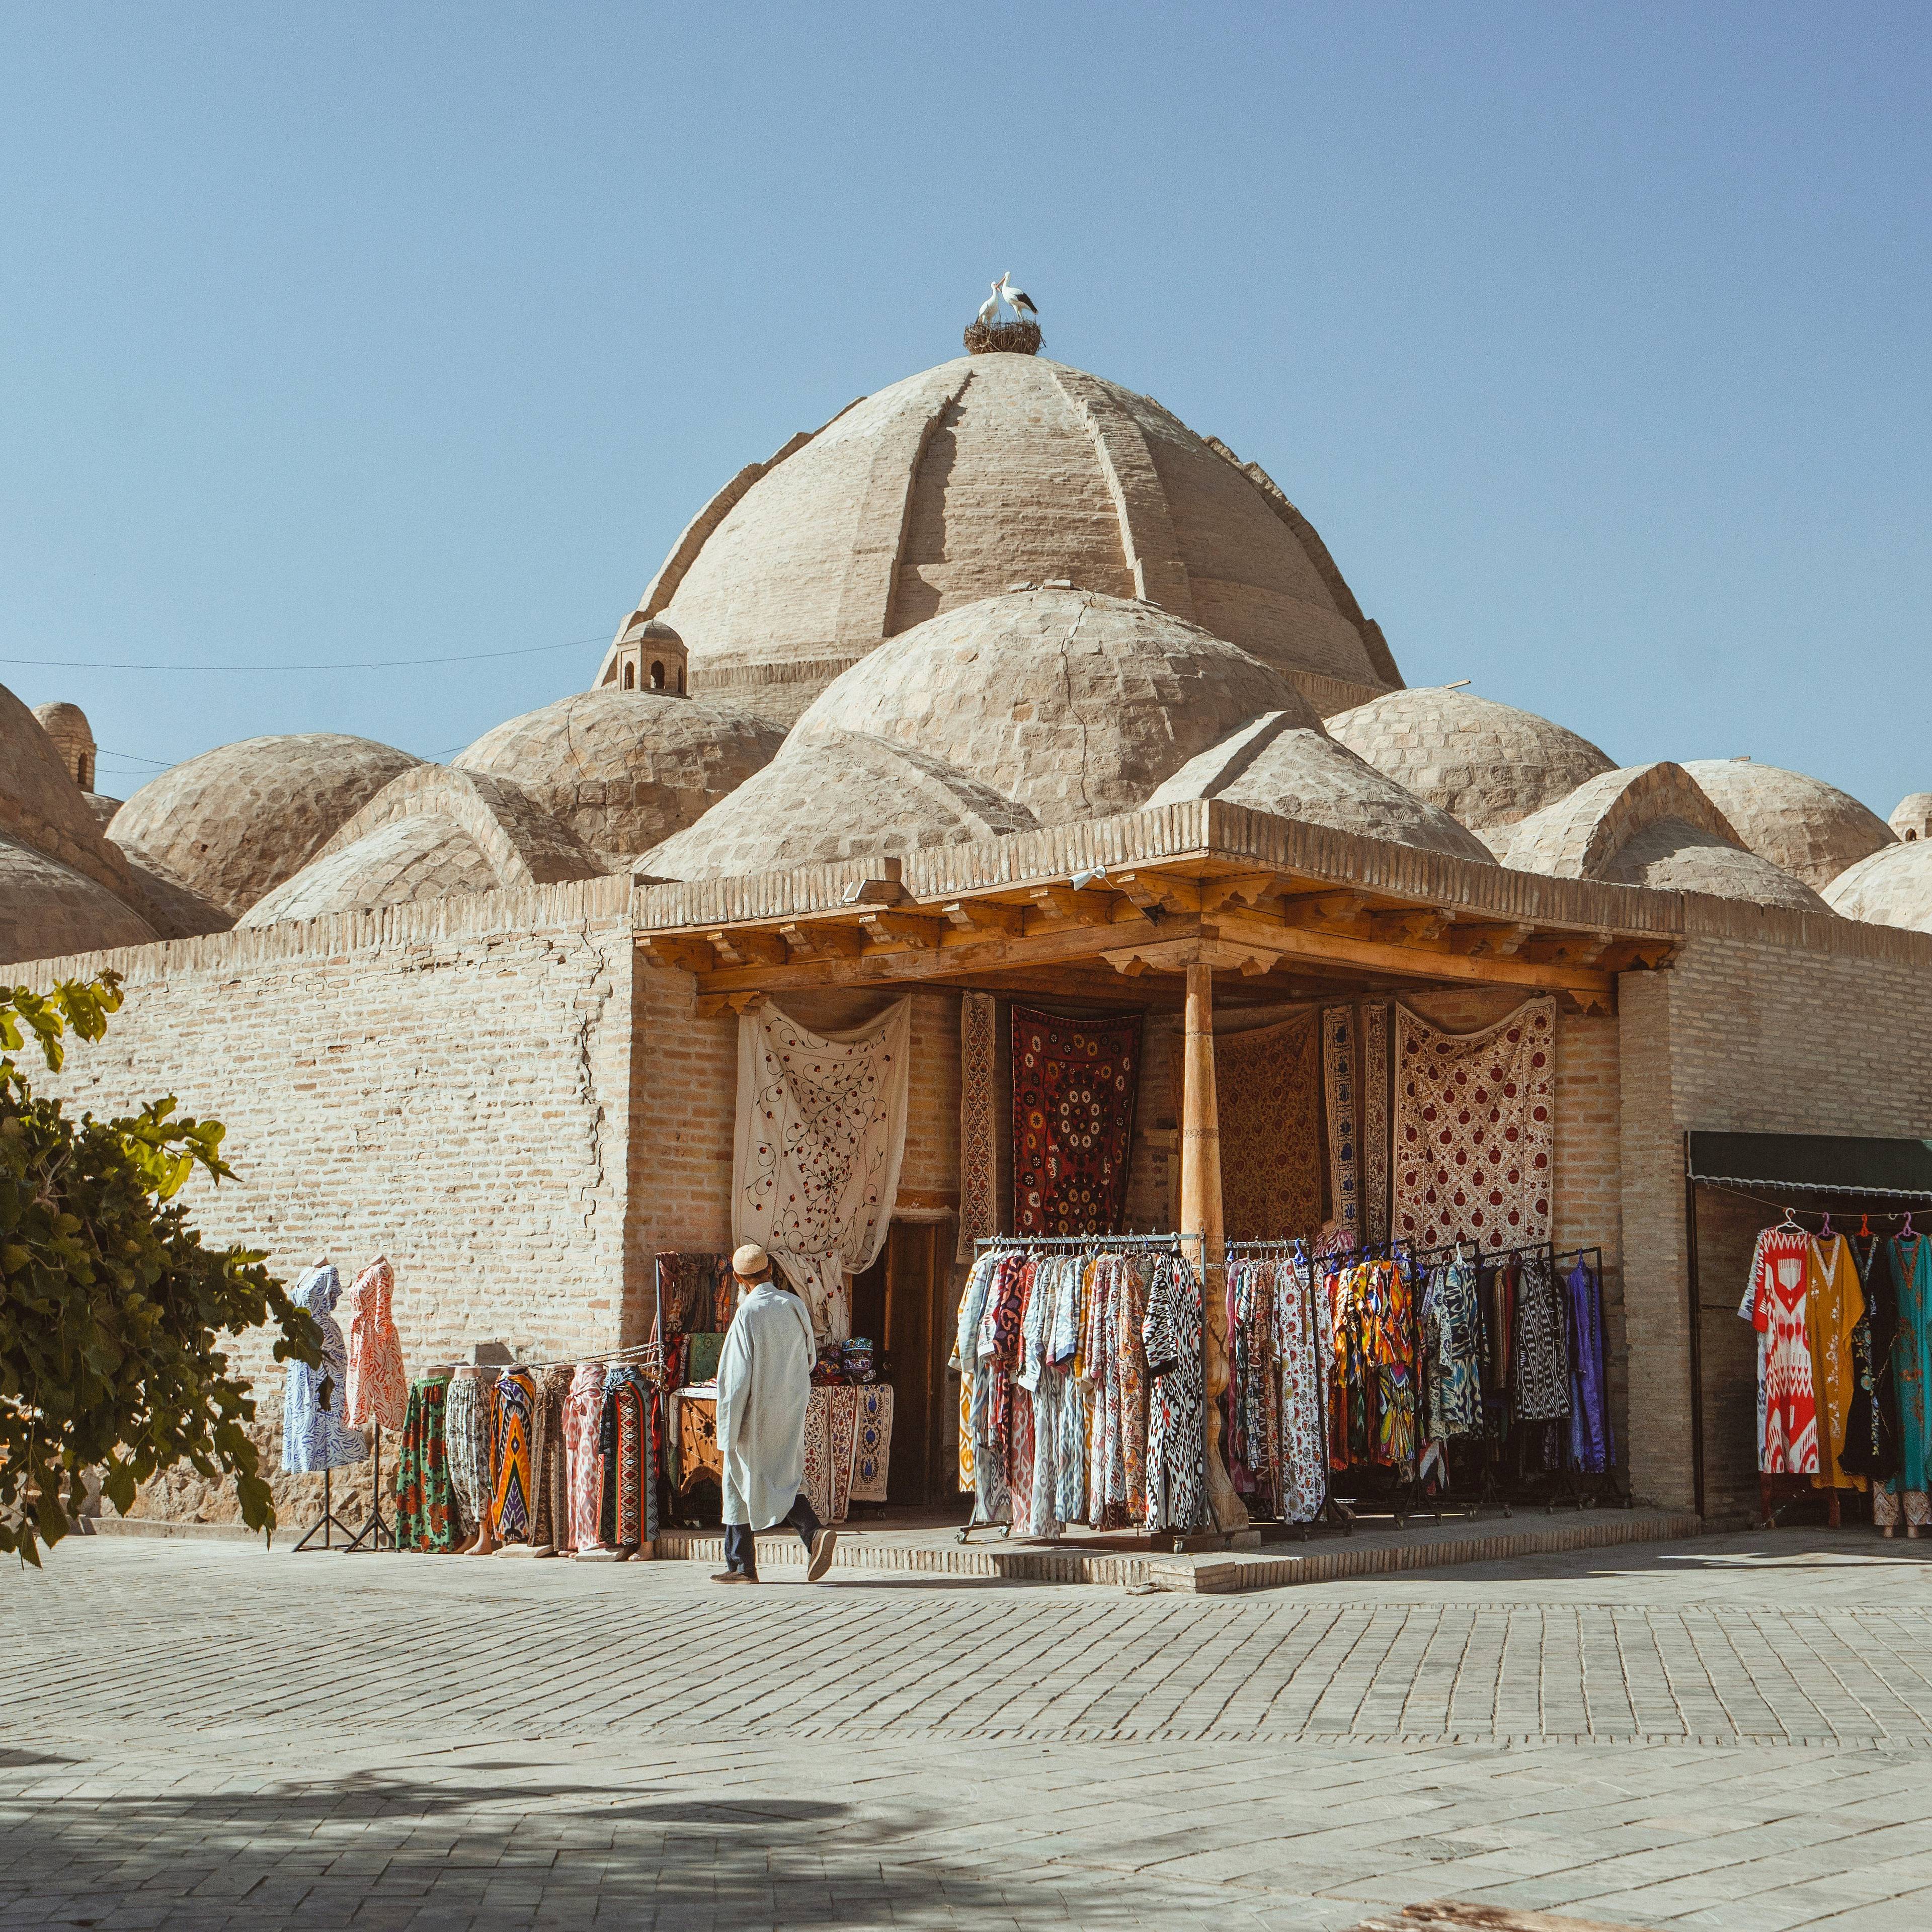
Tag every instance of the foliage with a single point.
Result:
(110, 1305)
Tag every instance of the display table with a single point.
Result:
(848, 1441)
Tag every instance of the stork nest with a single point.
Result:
(1002, 338)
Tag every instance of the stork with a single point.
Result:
(1019, 300)
(989, 309)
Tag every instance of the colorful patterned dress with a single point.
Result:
(468, 1431)
(1833, 1303)
(513, 1402)
(427, 1517)
(314, 1435)
(378, 1385)
(1299, 1361)
(1871, 1425)
(583, 1429)
(628, 1516)
(1176, 1401)
(1774, 1307)
(1452, 1339)
(1906, 1494)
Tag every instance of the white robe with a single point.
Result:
(764, 1388)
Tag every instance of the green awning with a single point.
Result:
(1815, 1164)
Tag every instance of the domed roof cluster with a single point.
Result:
(1000, 595)
(1033, 708)
(959, 483)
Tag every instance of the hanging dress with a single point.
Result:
(1774, 1305)
(1453, 1340)
(1871, 1424)
(467, 1431)
(1905, 1494)
(1176, 1487)
(513, 1404)
(628, 1516)
(426, 1511)
(550, 1479)
(1592, 1442)
(1833, 1303)
(378, 1385)
(315, 1434)
(1541, 1353)
(583, 1428)
(1300, 1359)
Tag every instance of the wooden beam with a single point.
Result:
(1496, 941)
(1629, 956)
(1412, 926)
(1086, 907)
(1247, 888)
(746, 946)
(905, 928)
(680, 954)
(822, 940)
(1328, 912)
(1159, 891)
(984, 916)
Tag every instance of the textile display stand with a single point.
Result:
(1099, 1244)
(371, 1534)
(327, 1519)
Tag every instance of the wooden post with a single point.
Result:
(1200, 1214)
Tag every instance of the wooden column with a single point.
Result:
(1200, 1214)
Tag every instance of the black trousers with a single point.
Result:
(741, 1546)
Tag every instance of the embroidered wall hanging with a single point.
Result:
(1475, 1129)
(1375, 1122)
(1338, 1088)
(979, 1141)
(1267, 1086)
(821, 1133)
(1075, 1082)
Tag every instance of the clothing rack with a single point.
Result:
(327, 1521)
(1083, 1241)
(371, 1534)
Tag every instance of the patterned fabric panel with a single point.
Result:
(1075, 1084)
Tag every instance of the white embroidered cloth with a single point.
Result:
(1475, 1129)
(821, 1133)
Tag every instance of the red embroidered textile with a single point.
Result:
(1074, 1086)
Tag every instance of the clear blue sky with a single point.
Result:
(1593, 339)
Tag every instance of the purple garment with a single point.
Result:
(1593, 1446)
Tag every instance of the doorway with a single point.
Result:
(899, 1302)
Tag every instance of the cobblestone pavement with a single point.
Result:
(1727, 1732)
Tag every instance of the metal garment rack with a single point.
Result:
(372, 1534)
(1100, 1244)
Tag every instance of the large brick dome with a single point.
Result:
(985, 473)
(1812, 829)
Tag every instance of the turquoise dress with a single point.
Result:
(1912, 1359)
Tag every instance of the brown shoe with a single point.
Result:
(823, 1545)
(733, 1576)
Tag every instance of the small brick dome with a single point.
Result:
(49, 910)
(625, 770)
(1892, 887)
(234, 822)
(1808, 828)
(1487, 764)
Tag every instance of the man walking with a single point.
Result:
(764, 1388)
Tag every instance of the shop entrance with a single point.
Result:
(899, 1302)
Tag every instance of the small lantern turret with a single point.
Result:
(649, 656)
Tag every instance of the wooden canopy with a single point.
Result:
(1160, 909)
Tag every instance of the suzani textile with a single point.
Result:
(979, 1123)
(872, 1443)
(1075, 1084)
(1338, 1089)
(315, 1436)
(379, 1386)
(1375, 1122)
(426, 1512)
(831, 1436)
(821, 1132)
(1267, 1085)
(1475, 1119)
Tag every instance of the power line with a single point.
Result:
(378, 664)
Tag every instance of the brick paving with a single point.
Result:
(1731, 1732)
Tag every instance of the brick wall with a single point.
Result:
(1748, 1034)
(446, 1083)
